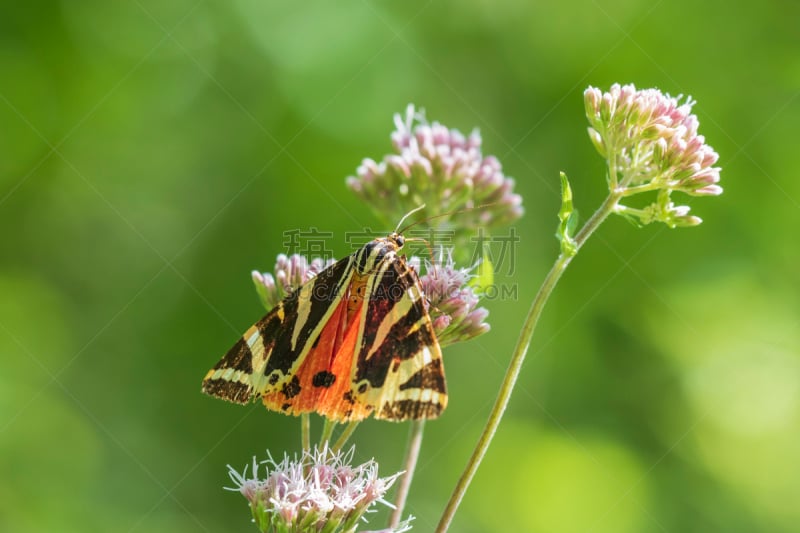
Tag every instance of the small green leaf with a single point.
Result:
(484, 275)
(569, 219)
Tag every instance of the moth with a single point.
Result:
(354, 341)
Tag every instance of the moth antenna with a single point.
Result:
(397, 229)
(427, 243)
(401, 231)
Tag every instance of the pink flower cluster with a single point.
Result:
(653, 139)
(319, 491)
(442, 169)
(290, 273)
(453, 301)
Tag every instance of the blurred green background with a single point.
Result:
(151, 155)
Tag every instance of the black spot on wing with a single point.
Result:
(348, 397)
(323, 379)
(291, 388)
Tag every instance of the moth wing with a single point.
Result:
(397, 369)
(320, 373)
(268, 355)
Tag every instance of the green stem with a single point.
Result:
(305, 431)
(518, 357)
(630, 211)
(345, 436)
(645, 187)
(327, 432)
(612, 170)
(410, 464)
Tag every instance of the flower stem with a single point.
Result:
(518, 357)
(327, 431)
(305, 431)
(645, 187)
(410, 464)
(343, 438)
(612, 170)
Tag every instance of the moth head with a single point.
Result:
(397, 239)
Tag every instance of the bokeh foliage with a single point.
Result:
(152, 154)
